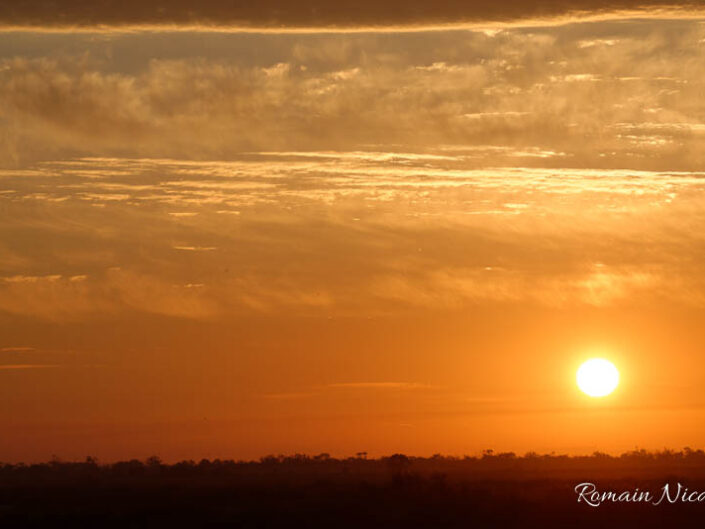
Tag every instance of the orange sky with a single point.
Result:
(229, 244)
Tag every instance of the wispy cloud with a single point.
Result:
(281, 15)
(195, 248)
(321, 391)
(31, 279)
(531, 185)
(378, 385)
(540, 94)
(391, 222)
(293, 395)
(26, 366)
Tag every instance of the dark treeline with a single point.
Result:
(496, 465)
(490, 490)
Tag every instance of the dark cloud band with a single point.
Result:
(313, 13)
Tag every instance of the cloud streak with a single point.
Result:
(379, 385)
(26, 366)
(344, 234)
(315, 14)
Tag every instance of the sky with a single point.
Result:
(231, 232)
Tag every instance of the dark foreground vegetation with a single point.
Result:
(491, 491)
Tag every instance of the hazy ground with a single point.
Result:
(496, 490)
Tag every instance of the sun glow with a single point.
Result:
(597, 377)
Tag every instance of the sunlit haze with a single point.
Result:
(384, 237)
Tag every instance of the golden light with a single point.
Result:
(597, 377)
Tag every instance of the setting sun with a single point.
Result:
(597, 377)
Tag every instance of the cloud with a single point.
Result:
(321, 391)
(537, 94)
(292, 395)
(26, 366)
(286, 14)
(195, 248)
(378, 385)
(57, 298)
(31, 279)
(346, 234)
(351, 174)
(456, 288)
